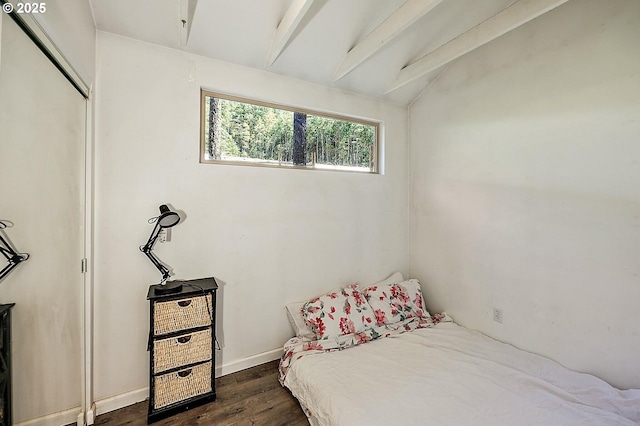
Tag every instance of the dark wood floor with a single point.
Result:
(248, 397)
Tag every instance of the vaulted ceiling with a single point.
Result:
(391, 49)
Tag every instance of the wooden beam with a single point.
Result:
(187, 10)
(287, 27)
(509, 19)
(395, 24)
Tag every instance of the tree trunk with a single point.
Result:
(214, 128)
(299, 138)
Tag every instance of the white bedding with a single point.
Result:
(449, 375)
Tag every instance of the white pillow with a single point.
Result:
(296, 319)
(395, 278)
(294, 313)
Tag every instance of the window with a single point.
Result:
(241, 131)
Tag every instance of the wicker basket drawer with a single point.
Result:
(181, 350)
(182, 314)
(179, 386)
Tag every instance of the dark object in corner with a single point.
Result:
(5, 365)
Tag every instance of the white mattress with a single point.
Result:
(449, 375)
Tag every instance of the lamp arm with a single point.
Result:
(152, 240)
(12, 257)
(147, 250)
(163, 269)
(5, 271)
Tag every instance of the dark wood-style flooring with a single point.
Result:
(248, 397)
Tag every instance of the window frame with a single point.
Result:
(204, 93)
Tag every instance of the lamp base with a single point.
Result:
(169, 287)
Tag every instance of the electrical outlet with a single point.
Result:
(163, 236)
(497, 315)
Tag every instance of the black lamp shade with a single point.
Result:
(167, 218)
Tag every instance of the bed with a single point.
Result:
(374, 356)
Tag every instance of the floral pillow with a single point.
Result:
(338, 313)
(392, 303)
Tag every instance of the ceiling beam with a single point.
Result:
(187, 10)
(508, 19)
(395, 24)
(287, 27)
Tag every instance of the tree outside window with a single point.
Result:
(241, 131)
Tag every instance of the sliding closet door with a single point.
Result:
(42, 142)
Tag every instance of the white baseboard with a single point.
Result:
(248, 362)
(123, 400)
(119, 401)
(56, 419)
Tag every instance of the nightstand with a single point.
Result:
(5, 365)
(181, 347)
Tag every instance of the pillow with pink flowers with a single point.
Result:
(392, 303)
(338, 313)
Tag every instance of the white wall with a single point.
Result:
(270, 236)
(524, 188)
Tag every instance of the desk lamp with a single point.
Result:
(167, 219)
